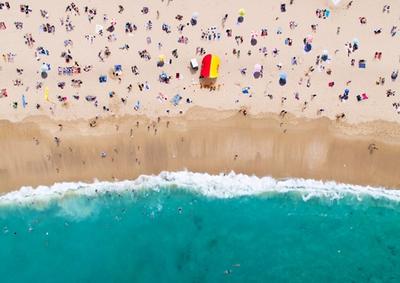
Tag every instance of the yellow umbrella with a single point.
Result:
(161, 57)
(242, 12)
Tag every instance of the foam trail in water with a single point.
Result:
(219, 186)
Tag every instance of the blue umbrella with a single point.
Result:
(282, 78)
(307, 47)
(246, 90)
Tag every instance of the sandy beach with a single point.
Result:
(104, 90)
(126, 147)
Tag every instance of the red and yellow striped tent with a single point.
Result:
(210, 67)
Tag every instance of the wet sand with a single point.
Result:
(203, 140)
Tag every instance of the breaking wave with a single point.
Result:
(218, 186)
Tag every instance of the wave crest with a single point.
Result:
(219, 186)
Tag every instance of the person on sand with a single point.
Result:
(372, 148)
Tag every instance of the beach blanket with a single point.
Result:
(46, 93)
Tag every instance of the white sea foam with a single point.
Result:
(218, 186)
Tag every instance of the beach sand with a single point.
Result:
(118, 149)
(302, 129)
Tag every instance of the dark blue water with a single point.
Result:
(180, 236)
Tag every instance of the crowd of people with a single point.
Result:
(178, 27)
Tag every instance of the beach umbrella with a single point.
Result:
(99, 28)
(309, 38)
(253, 41)
(307, 47)
(327, 13)
(145, 10)
(210, 67)
(242, 12)
(282, 78)
(257, 71)
(324, 56)
(43, 75)
(246, 90)
(44, 68)
(195, 15)
(240, 19)
(161, 60)
(193, 20)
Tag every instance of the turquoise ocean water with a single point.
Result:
(175, 231)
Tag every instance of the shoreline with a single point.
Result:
(262, 145)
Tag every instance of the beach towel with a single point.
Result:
(46, 93)
(24, 103)
(137, 105)
(176, 99)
